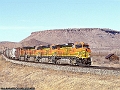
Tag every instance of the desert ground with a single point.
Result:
(14, 75)
(101, 61)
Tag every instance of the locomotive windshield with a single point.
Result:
(78, 46)
(81, 46)
(86, 46)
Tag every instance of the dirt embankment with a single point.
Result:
(14, 75)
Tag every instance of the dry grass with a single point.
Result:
(13, 75)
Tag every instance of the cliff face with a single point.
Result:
(96, 37)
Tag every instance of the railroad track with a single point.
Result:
(68, 68)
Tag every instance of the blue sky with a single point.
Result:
(18, 18)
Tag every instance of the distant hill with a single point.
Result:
(8, 44)
(33, 42)
(96, 37)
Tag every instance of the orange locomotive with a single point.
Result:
(71, 53)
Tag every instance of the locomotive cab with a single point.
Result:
(82, 53)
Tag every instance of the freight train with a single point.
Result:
(71, 53)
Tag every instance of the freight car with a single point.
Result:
(10, 53)
(71, 53)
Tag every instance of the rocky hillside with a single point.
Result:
(96, 37)
(33, 42)
(7, 44)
